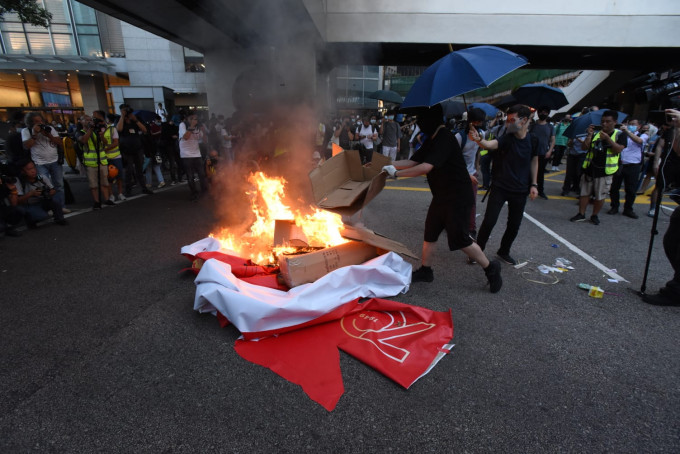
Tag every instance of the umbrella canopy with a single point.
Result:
(579, 125)
(506, 101)
(460, 72)
(387, 95)
(453, 108)
(539, 95)
(488, 109)
(145, 115)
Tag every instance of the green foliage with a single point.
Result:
(29, 11)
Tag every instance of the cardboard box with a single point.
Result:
(342, 185)
(301, 269)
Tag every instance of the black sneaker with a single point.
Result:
(660, 299)
(422, 274)
(110, 203)
(147, 191)
(578, 218)
(97, 206)
(613, 210)
(631, 214)
(493, 274)
(542, 195)
(595, 220)
(506, 258)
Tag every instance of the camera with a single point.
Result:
(46, 128)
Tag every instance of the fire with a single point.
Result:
(321, 228)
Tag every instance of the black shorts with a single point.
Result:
(455, 219)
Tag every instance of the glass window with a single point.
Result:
(60, 28)
(64, 44)
(87, 29)
(83, 14)
(40, 43)
(355, 71)
(15, 43)
(59, 11)
(11, 26)
(372, 71)
(90, 45)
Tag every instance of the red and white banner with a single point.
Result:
(301, 330)
(401, 341)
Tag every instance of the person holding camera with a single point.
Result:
(130, 131)
(190, 136)
(344, 134)
(36, 196)
(90, 138)
(43, 141)
(604, 144)
(629, 168)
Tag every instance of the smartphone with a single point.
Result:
(597, 128)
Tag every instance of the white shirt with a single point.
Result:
(632, 154)
(188, 148)
(43, 151)
(469, 152)
(163, 114)
(367, 131)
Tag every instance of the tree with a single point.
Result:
(29, 11)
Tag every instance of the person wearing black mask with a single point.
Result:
(441, 159)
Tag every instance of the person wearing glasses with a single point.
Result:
(515, 170)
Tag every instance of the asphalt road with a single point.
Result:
(102, 351)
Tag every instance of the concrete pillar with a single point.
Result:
(93, 91)
(223, 67)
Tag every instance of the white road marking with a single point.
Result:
(573, 248)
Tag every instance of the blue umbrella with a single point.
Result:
(460, 72)
(579, 125)
(453, 108)
(539, 95)
(488, 109)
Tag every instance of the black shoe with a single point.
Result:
(542, 195)
(506, 258)
(631, 214)
(613, 210)
(61, 221)
(564, 193)
(194, 197)
(97, 206)
(493, 274)
(578, 218)
(147, 191)
(110, 203)
(595, 220)
(660, 300)
(422, 274)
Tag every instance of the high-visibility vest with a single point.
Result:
(90, 153)
(115, 152)
(611, 163)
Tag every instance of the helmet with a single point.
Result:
(113, 172)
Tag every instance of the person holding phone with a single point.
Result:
(603, 145)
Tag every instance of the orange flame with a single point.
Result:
(322, 228)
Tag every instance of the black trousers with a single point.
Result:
(671, 245)
(572, 176)
(497, 198)
(133, 170)
(558, 153)
(195, 168)
(627, 174)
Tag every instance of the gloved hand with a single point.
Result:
(391, 171)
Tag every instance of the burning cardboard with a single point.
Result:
(344, 186)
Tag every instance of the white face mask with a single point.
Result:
(390, 117)
(372, 122)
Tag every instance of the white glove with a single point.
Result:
(391, 171)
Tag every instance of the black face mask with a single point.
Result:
(542, 117)
(429, 124)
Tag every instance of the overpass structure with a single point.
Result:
(285, 49)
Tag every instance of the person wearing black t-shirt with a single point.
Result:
(130, 130)
(441, 159)
(515, 169)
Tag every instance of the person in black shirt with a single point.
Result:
(131, 147)
(441, 159)
(515, 169)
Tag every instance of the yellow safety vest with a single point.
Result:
(115, 152)
(90, 154)
(611, 163)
